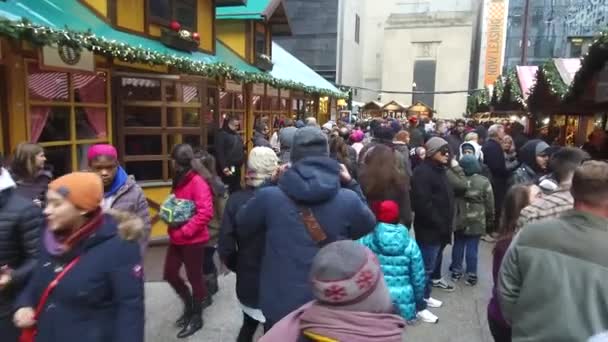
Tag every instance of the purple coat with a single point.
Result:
(494, 311)
(130, 198)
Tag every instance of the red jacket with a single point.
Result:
(194, 188)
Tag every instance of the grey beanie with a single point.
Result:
(309, 142)
(347, 275)
(541, 148)
(434, 145)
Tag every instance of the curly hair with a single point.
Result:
(380, 173)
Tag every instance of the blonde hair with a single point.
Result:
(23, 165)
(590, 182)
(472, 136)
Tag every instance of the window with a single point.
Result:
(357, 28)
(260, 43)
(155, 115)
(164, 11)
(67, 113)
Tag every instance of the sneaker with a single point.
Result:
(471, 280)
(427, 317)
(443, 285)
(433, 303)
(456, 276)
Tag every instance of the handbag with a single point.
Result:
(29, 334)
(175, 211)
(313, 227)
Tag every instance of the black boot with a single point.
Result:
(195, 323)
(182, 321)
(212, 286)
(207, 302)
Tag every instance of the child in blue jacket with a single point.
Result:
(400, 260)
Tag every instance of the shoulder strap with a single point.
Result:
(309, 220)
(52, 285)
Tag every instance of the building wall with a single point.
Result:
(551, 24)
(445, 37)
(233, 33)
(349, 59)
(314, 24)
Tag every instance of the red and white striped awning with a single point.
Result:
(54, 85)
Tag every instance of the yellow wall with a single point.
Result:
(206, 19)
(130, 14)
(15, 76)
(233, 33)
(154, 30)
(100, 6)
(158, 195)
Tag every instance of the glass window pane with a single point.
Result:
(60, 157)
(239, 103)
(225, 100)
(256, 102)
(185, 12)
(143, 145)
(284, 105)
(81, 153)
(139, 89)
(46, 85)
(183, 117)
(193, 140)
(145, 170)
(190, 93)
(91, 123)
(160, 9)
(49, 124)
(142, 116)
(90, 88)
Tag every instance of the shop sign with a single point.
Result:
(285, 93)
(272, 92)
(258, 89)
(601, 90)
(66, 57)
(495, 38)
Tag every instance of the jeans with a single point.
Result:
(437, 271)
(430, 254)
(465, 246)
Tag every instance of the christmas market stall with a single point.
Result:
(372, 109)
(421, 111)
(395, 110)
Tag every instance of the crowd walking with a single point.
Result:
(335, 233)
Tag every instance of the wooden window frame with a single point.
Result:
(152, 19)
(164, 130)
(71, 103)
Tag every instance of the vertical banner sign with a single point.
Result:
(495, 32)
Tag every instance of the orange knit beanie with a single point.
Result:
(83, 189)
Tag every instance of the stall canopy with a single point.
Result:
(567, 68)
(526, 75)
(271, 11)
(395, 106)
(59, 14)
(289, 68)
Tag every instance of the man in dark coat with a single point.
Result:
(260, 136)
(494, 158)
(20, 224)
(455, 137)
(230, 154)
(316, 182)
(519, 138)
(416, 133)
(434, 211)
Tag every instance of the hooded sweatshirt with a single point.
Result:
(311, 182)
(529, 170)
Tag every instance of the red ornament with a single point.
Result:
(175, 26)
(196, 36)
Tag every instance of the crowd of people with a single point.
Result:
(337, 233)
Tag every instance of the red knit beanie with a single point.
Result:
(386, 211)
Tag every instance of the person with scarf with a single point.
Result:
(244, 256)
(88, 282)
(121, 192)
(188, 240)
(20, 223)
(352, 301)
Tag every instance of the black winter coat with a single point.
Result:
(20, 224)
(433, 203)
(494, 158)
(242, 256)
(229, 149)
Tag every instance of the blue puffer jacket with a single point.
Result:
(401, 263)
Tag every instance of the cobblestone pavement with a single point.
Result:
(463, 317)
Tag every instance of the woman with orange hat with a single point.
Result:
(88, 283)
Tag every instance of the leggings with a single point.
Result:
(191, 256)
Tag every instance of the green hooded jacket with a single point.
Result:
(475, 208)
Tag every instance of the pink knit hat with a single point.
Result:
(357, 136)
(102, 150)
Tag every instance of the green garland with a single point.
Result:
(516, 92)
(44, 36)
(554, 80)
(479, 102)
(591, 64)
